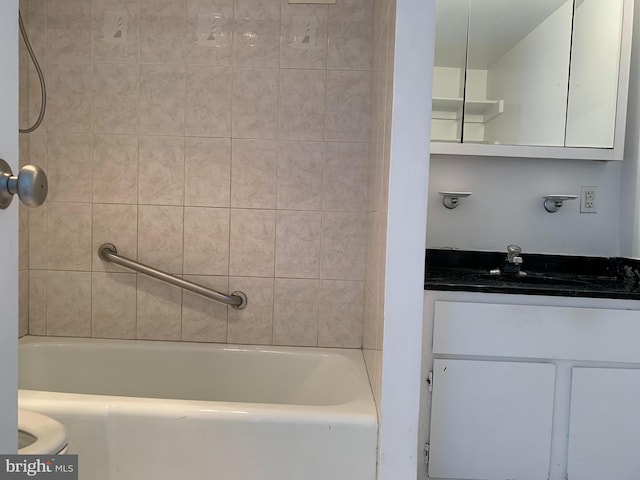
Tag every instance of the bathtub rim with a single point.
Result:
(361, 409)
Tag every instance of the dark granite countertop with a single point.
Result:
(556, 275)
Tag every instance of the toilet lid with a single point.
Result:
(50, 435)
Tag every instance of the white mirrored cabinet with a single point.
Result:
(542, 78)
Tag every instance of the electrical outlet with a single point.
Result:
(588, 199)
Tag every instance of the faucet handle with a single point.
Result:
(514, 250)
(513, 254)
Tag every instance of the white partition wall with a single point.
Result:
(9, 229)
(404, 279)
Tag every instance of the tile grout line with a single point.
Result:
(277, 129)
(324, 167)
(93, 121)
(231, 138)
(46, 212)
(184, 67)
(139, 75)
(184, 162)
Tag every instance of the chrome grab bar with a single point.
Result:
(109, 253)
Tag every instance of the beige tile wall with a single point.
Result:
(207, 140)
(381, 109)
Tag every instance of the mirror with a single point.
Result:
(518, 71)
(523, 72)
(452, 20)
(595, 63)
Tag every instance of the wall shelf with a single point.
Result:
(476, 111)
(483, 110)
(443, 108)
(446, 104)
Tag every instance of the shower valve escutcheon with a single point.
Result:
(30, 184)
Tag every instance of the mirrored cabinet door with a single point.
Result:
(452, 19)
(595, 66)
(541, 73)
(518, 72)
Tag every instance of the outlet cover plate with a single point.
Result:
(588, 199)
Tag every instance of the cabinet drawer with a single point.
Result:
(528, 331)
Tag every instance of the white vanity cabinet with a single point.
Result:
(530, 391)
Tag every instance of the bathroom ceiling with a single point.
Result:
(496, 26)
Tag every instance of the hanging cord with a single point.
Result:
(43, 87)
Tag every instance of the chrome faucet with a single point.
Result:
(513, 254)
(512, 264)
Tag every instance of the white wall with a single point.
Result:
(9, 229)
(448, 82)
(476, 84)
(506, 206)
(399, 452)
(532, 79)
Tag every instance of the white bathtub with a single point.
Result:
(165, 410)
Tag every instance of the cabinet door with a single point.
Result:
(491, 420)
(595, 66)
(518, 72)
(604, 429)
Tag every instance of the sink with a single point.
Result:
(555, 275)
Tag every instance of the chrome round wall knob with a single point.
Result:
(31, 185)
